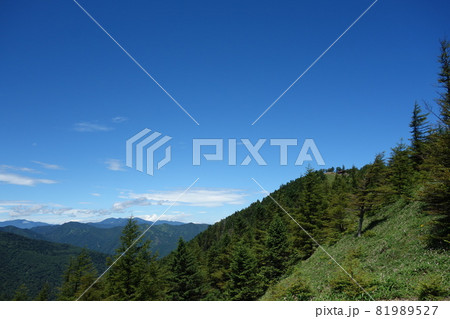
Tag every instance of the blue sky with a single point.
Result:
(70, 97)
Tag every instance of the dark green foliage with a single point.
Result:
(301, 290)
(371, 191)
(339, 216)
(244, 283)
(444, 82)
(436, 167)
(276, 252)
(21, 294)
(186, 277)
(401, 171)
(419, 130)
(44, 294)
(78, 277)
(132, 268)
(432, 288)
(35, 262)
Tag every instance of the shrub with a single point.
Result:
(431, 288)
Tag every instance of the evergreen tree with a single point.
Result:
(133, 270)
(21, 294)
(244, 283)
(219, 259)
(401, 171)
(44, 294)
(436, 193)
(444, 82)
(419, 129)
(276, 253)
(371, 189)
(339, 217)
(312, 205)
(186, 276)
(79, 275)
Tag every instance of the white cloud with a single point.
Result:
(15, 179)
(130, 203)
(204, 197)
(14, 203)
(48, 209)
(96, 194)
(48, 166)
(16, 168)
(178, 216)
(91, 127)
(114, 164)
(119, 119)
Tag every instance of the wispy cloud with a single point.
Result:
(48, 166)
(202, 197)
(130, 203)
(47, 209)
(91, 127)
(178, 216)
(15, 179)
(119, 119)
(19, 169)
(96, 194)
(114, 164)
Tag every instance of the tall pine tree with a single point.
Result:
(186, 276)
(276, 252)
(79, 275)
(129, 277)
(436, 193)
(419, 129)
(244, 283)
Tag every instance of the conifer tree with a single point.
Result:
(244, 283)
(186, 276)
(313, 203)
(444, 82)
(79, 275)
(419, 130)
(436, 193)
(371, 189)
(401, 171)
(129, 277)
(21, 294)
(339, 216)
(276, 253)
(44, 294)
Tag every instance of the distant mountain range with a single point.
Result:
(104, 236)
(107, 223)
(22, 223)
(34, 253)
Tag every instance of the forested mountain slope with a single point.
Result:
(35, 262)
(164, 237)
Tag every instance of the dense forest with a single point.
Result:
(391, 215)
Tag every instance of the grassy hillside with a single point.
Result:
(390, 261)
(35, 262)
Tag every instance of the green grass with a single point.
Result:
(391, 261)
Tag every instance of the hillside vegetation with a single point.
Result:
(391, 261)
(35, 263)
